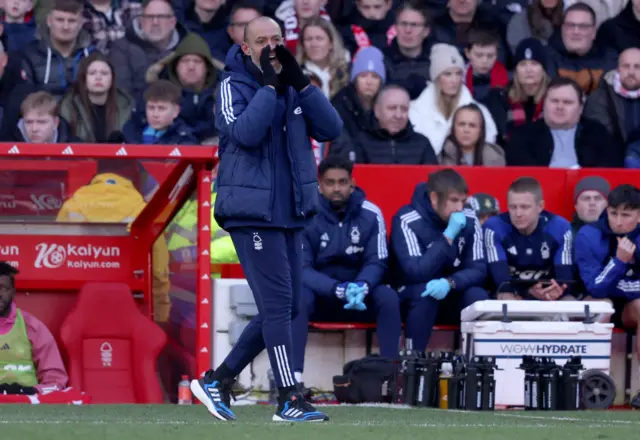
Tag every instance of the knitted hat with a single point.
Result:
(592, 183)
(443, 57)
(483, 203)
(369, 59)
(530, 49)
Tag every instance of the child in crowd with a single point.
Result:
(40, 122)
(484, 71)
(160, 123)
(19, 24)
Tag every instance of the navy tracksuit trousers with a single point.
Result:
(272, 262)
(383, 307)
(421, 311)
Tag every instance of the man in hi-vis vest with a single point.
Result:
(30, 362)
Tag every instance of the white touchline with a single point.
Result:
(568, 419)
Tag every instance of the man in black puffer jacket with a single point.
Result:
(390, 138)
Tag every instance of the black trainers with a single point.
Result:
(214, 395)
(294, 408)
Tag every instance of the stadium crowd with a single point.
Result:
(547, 83)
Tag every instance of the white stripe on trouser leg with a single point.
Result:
(283, 366)
(285, 359)
(409, 344)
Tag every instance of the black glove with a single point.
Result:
(16, 388)
(269, 76)
(291, 72)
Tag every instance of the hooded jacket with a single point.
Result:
(196, 106)
(62, 136)
(346, 247)
(132, 55)
(84, 126)
(421, 253)
(214, 33)
(45, 67)
(586, 70)
(253, 140)
(603, 274)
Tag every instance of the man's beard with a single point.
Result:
(633, 88)
(6, 308)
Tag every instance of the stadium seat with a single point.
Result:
(112, 348)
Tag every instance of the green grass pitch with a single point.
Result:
(158, 422)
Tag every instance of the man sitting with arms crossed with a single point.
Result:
(345, 259)
(30, 362)
(529, 244)
(438, 252)
(608, 259)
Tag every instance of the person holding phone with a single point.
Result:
(529, 250)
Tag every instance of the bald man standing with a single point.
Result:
(616, 103)
(266, 110)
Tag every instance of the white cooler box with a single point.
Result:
(536, 328)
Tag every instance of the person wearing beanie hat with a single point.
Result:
(445, 91)
(521, 103)
(355, 101)
(590, 201)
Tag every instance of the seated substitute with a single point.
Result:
(529, 250)
(438, 253)
(30, 361)
(345, 260)
(608, 259)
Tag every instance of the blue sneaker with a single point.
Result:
(294, 408)
(215, 396)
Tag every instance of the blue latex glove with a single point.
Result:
(355, 294)
(340, 290)
(437, 289)
(457, 222)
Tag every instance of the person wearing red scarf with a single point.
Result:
(294, 14)
(484, 71)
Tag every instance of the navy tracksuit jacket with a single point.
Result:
(604, 275)
(546, 253)
(421, 253)
(267, 191)
(347, 246)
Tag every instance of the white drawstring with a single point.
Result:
(48, 68)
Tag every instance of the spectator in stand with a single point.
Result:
(242, 12)
(540, 21)
(604, 9)
(616, 104)
(622, 31)
(590, 201)
(504, 10)
(522, 101)
(18, 27)
(149, 39)
(29, 356)
(432, 113)
(529, 250)
(573, 52)
(407, 57)
(41, 123)
(344, 264)
(294, 15)
(323, 54)
(370, 24)
(191, 68)
(51, 63)
(485, 206)
(354, 103)
(466, 145)
(209, 19)
(95, 107)
(438, 252)
(607, 257)
(389, 138)
(160, 123)
(454, 26)
(108, 20)
(484, 71)
(560, 139)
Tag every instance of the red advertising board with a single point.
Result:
(55, 257)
